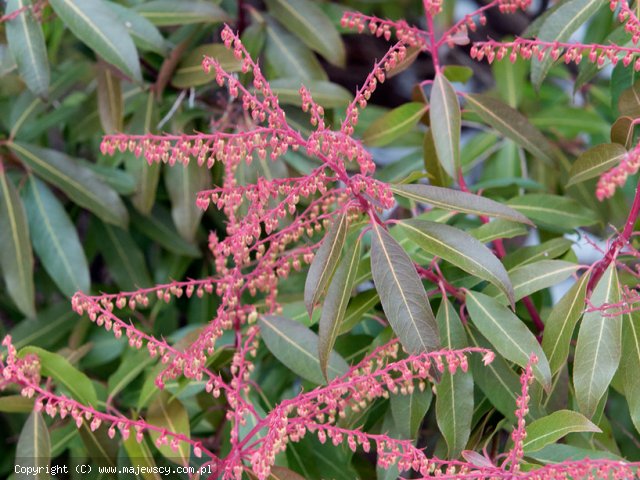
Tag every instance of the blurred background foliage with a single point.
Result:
(72, 219)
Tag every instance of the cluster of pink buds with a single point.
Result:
(627, 16)
(408, 35)
(512, 6)
(617, 176)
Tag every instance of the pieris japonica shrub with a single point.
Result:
(383, 294)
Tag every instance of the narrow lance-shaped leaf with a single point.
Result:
(460, 249)
(630, 364)
(110, 101)
(168, 412)
(450, 199)
(562, 320)
(394, 124)
(297, 348)
(454, 398)
(335, 303)
(184, 12)
(145, 35)
(325, 262)
(34, 448)
(27, 45)
(545, 431)
(311, 25)
(16, 257)
(553, 211)
(93, 22)
(508, 334)
(55, 239)
(595, 161)
(408, 411)
(445, 124)
(598, 348)
(78, 182)
(402, 294)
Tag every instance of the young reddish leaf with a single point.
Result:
(403, 297)
(59, 369)
(78, 182)
(508, 334)
(630, 364)
(34, 447)
(595, 161)
(450, 199)
(297, 348)
(513, 125)
(167, 412)
(26, 42)
(545, 431)
(561, 322)
(325, 262)
(445, 122)
(55, 238)
(110, 101)
(553, 211)
(311, 25)
(335, 303)
(93, 22)
(460, 249)
(598, 348)
(454, 398)
(394, 124)
(16, 257)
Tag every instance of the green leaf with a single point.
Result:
(596, 161)
(48, 328)
(55, 239)
(553, 212)
(558, 27)
(168, 413)
(190, 72)
(16, 257)
(394, 124)
(286, 57)
(409, 410)
(458, 73)
(622, 131)
(532, 277)
(93, 22)
(358, 307)
(132, 364)
(546, 250)
(125, 260)
(297, 348)
(27, 46)
(102, 449)
(59, 369)
(310, 24)
(79, 183)
(547, 430)
(140, 454)
(403, 297)
(16, 404)
(629, 102)
(168, 12)
(569, 122)
(630, 364)
(325, 262)
(460, 249)
(444, 113)
(33, 450)
(183, 184)
(335, 303)
(508, 334)
(144, 33)
(561, 322)
(498, 228)
(435, 171)
(459, 201)
(110, 101)
(327, 94)
(454, 396)
(513, 125)
(158, 226)
(510, 80)
(599, 346)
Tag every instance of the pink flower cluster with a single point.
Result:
(617, 176)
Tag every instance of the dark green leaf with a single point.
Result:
(335, 303)
(545, 431)
(409, 410)
(553, 211)
(598, 348)
(78, 182)
(444, 113)
(93, 22)
(297, 348)
(55, 239)
(325, 262)
(459, 201)
(184, 12)
(145, 35)
(16, 257)
(158, 226)
(546, 250)
(508, 334)
(498, 228)
(394, 124)
(34, 449)
(403, 297)
(26, 42)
